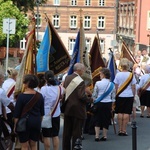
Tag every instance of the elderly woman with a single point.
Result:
(105, 89)
(126, 89)
(144, 86)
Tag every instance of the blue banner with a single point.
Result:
(76, 54)
(42, 58)
(112, 66)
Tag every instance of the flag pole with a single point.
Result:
(99, 43)
(81, 44)
(34, 50)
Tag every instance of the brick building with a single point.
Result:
(97, 15)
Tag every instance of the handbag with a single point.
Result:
(94, 108)
(21, 125)
(22, 122)
(47, 120)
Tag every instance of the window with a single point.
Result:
(73, 21)
(71, 45)
(87, 42)
(38, 20)
(56, 2)
(102, 44)
(87, 2)
(56, 21)
(73, 2)
(101, 22)
(101, 2)
(87, 22)
(148, 21)
(23, 44)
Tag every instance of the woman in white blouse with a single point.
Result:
(103, 114)
(124, 100)
(50, 93)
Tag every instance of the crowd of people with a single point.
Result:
(83, 109)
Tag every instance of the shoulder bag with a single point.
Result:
(47, 119)
(22, 122)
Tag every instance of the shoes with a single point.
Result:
(137, 109)
(114, 122)
(124, 134)
(120, 133)
(103, 139)
(97, 139)
(82, 137)
(141, 116)
(148, 116)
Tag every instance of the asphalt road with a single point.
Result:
(116, 142)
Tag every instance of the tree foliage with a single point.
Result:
(25, 5)
(9, 10)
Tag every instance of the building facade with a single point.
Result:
(142, 39)
(134, 24)
(126, 30)
(97, 15)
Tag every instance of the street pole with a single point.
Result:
(7, 50)
(9, 26)
(37, 25)
(134, 136)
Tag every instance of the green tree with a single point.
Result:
(25, 5)
(9, 10)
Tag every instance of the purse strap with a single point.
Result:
(57, 101)
(31, 103)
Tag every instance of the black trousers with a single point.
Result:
(1, 147)
(0, 127)
(72, 130)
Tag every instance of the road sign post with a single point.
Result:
(9, 27)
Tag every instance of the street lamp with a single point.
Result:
(38, 2)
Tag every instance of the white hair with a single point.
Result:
(78, 66)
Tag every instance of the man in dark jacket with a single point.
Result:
(75, 110)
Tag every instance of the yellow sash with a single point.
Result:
(125, 84)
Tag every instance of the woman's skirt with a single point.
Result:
(124, 105)
(145, 99)
(103, 115)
